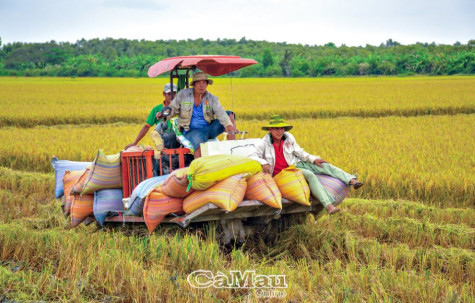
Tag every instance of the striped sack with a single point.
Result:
(140, 192)
(77, 188)
(207, 171)
(69, 180)
(292, 185)
(107, 202)
(176, 184)
(60, 166)
(81, 208)
(337, 188)
(105, 173)
(226, 194)
(262, 187)
(158, 206)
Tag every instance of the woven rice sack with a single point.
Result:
(60, 167)
(176, 184)
(105, 173)
(207, 171)
(81, 208)
(292, 185)
(77, 188)
(337, 188)
(107, 202)
(140, 192)
(69, 180)
(158, 206)
(226, 194)
(262, 187)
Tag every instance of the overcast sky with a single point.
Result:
(313, 22)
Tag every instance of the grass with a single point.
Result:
(408, 235)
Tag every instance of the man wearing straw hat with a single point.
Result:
(196, 109)
(279, 150)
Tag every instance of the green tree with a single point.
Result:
(267, 59)
(122, 57)
(285, 62)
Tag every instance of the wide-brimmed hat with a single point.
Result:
(277, 121)
(200, 76)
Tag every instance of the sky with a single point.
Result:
(316, 22)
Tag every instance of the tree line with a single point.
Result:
(131, 58)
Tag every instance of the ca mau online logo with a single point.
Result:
(235, 279)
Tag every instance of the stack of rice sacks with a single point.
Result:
(219, 179)
(293, 186)
(90, 188)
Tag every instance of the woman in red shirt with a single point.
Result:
(279, 150)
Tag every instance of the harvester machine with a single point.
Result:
(251, 216)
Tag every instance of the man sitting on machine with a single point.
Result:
(196, 109)
(155, 118)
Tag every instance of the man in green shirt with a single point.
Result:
(168, 136)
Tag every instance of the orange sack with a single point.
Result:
(176, 183)
(158, 206)
(81, 208)
(70, 179)
(77, 188)
(262, 187)
(226, 194)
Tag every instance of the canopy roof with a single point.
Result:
(212, 65)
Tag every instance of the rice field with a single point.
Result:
(398, 157)
(27, 102)
(408, 235)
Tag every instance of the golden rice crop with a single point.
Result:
(27, 183)
(406, 230)
(408, 209)
(85, 264)
(82, 100)
(398, 157)
(423, 158)
(375, 250)
(321, 260)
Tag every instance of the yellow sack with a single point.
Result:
(226, 194)
(262, 187)
(292, 185)
(207, 171)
